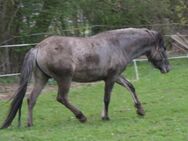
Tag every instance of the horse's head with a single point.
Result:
(157, 55)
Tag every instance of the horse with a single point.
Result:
(101, 57)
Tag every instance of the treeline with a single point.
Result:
(29, 21)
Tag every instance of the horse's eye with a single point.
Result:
(164, 48)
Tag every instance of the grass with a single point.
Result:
(8, 79)
(164, 97)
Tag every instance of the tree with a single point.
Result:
(29, 21)
(9, 26)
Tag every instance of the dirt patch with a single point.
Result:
(7, 90)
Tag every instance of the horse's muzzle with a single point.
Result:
(166, 69)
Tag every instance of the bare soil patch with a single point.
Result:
(7, 90)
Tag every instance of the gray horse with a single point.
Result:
(100, 57)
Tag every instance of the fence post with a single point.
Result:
(136, 69)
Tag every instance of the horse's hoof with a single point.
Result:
(105, 118)
(81, 118)
(140, 112)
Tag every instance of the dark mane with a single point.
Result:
(123, 31)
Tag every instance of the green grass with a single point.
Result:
(164, 97)
(9, 79)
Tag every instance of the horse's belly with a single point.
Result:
(88, 76)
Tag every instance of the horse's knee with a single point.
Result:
(58, 99)
(106, 99)
(61, 100)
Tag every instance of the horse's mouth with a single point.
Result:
(165, 69)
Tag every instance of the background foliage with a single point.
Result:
(29, 21)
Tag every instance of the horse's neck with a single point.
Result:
(139, 51)
(135, 49)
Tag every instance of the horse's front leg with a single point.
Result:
(125, 83)
(107, 94)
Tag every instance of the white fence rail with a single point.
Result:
(136, 69)
(7, 75)
(17, 45)
(140, 60)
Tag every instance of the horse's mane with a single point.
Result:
(122, 31)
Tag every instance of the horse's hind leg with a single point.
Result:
(40, 81)
(125, 83)
(63, 89)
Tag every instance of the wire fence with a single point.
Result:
(164, 27)
(135, 61)
(169, 32)
(136, 68)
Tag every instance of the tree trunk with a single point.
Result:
(8, 29)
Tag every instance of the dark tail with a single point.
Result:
(26, 72)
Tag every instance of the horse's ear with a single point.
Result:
(147, 30)
(159, 36)
(160, 39)
(151, 32)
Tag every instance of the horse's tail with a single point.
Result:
(26, 73)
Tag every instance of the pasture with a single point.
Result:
(164, 97)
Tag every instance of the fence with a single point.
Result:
(12, 46)
(172, 28)
(10, 57)
(136, 69)
(140, 60)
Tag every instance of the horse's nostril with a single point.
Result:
(165, 69)
(168, 68)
